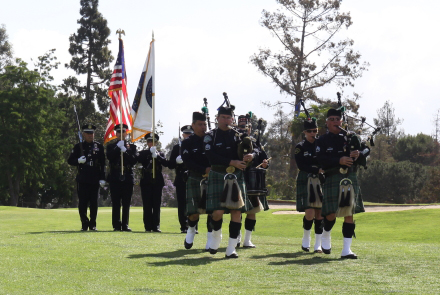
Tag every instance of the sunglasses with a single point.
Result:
(312, 131)
(334, 119)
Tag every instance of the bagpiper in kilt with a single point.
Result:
(195, 160)
(91, 165)
(255, 182)
(308, 186)
(341, 190)
(221, 147)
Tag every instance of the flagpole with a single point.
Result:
(121, 106)
(154, 122)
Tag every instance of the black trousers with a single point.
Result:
(151, 201)
(88, 194)
(121, 192)
(181, 205)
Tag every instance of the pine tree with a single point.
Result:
(90, 56)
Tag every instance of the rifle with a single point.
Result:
(79, 132)
(180, 142)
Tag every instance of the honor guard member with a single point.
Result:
(225, 181)
(308, 186)
(341, 190)
(176, 162)
(89, 157)
(151, 187)
(260, 155)
(121, 179)
(194, 158)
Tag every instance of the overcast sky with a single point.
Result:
(203, 49)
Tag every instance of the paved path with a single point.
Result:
(373, 208)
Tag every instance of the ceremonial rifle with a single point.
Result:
(180, 142)
(79, 132)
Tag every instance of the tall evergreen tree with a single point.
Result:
(5, 48)
(90, 56)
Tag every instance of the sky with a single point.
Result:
(203, 49)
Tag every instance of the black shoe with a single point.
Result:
(253, 246)
(93, 228)
(197, 232)
(233, 255)
(84, 229)
(126, 229)
(157, 230)
(305, 249)
(238, 244)
(183, 231)
(327, 251)
(187, 245)
(116, 229)
(212, 251)
(349, 256)
(206, 250)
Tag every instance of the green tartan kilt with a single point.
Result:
(215, 189)
(331, 193)
(301, 192)
(193, 195)
(263, 200)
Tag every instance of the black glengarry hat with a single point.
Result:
(225, 111)
(198, 116)
(310, 123)
(334, 112)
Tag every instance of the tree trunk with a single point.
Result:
(14, 189)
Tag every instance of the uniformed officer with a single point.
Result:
(221, 147)
(194, 158)
(176, 162)
(89, 156)
(121, 181)
(307, 183)
(245, 125)
(341, 189)
(151, 187)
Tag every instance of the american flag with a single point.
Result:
(118, 94)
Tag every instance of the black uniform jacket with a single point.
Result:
(193, 154)
(180, 168)
(93, 170)
(146, 160)
(305, 157)
(221, 147)
(114, 158)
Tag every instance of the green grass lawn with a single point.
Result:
(43, 252)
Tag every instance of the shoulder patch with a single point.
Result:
(318, 149)
(207, 147)
(297, 151)
(207, 138)
(185, 151)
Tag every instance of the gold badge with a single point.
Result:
(297, 151)
(230, 169)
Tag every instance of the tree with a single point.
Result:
(312, 56)
(387, 121)
(5, 49)
(90, 56)
(422, 149)
(29, 117)
(307, 31)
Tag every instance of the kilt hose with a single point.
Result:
(193, 194)
(331, 192)
(215, 190)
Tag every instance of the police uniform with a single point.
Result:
(306, 198)
(221, 147)
(179, 181)
(151, 188)
(195, 160)
(91, 169)
(121, 187)
(330, 148)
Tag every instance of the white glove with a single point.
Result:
(153, 149)
(120, 145)
(102, 183)
(82, 160)
(154, 154)
(179, 160)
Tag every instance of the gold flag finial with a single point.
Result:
(120, 32)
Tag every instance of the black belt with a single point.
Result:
(334, 171)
